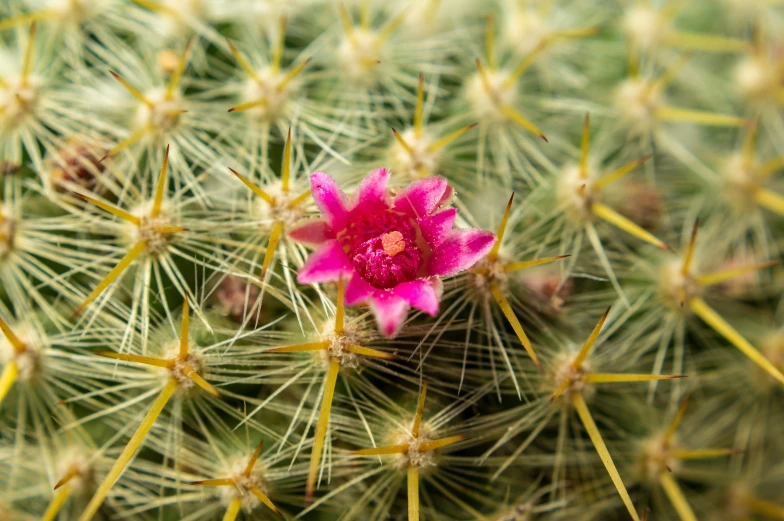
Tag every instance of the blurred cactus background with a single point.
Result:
(537, 277)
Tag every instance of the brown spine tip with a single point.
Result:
(543, 137)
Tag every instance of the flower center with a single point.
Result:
(387, 258)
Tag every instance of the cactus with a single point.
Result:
(428, 260)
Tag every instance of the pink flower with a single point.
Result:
(391, 251)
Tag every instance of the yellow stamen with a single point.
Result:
(126, 261)
(440, 443)
(669, 434)
(233, 509)
(286, 169)
(118, 212)
(499, 235)
(668, 113)
(133, 91)
(277, 231)
(764, 508)
(732, 273)
(521, 265)
(243, 62)
(135, 136)
(277, 51)
(584, 145)
(366, 351)
(686, 454)
(689, 257)
(161, 188)
(509, 313)
(514, 115)
(714, 320)
(606, 378)
(419, 411)
(611, 216)
(263, 498)
(291, 75)
(413, 493)
(586, 347)
(27, 61)
(378, 451)
(596, 438)
(321, 427)
(299, 348)
(770, 200)
(614, 176)
(255, 189)
(449, 138)
(420, 105)
(125, 457)
(198, 380)
(676, 496)
(57, 502)
(18, 346)
(490, 41)
(704, 42)
(403, 142)
(221, 482)
(340, 315)
(7, 378)
(301, 198)
(137, 359)
(249, 105)
(176, 76)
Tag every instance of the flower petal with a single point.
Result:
(435, 228)
(313, 232)
(390, 311)
(423, 294)
(373, 189)
(461, 250)
(422, 198)
(329, 199)
(358, 290)
(329, 262)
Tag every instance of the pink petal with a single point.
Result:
(358, 290)
(390, 311)
(461, 250)
(373, 189)
(423, 294)
(329, 262)
(435, 228)
(313, 232)
(329, 199)
(422, 198)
